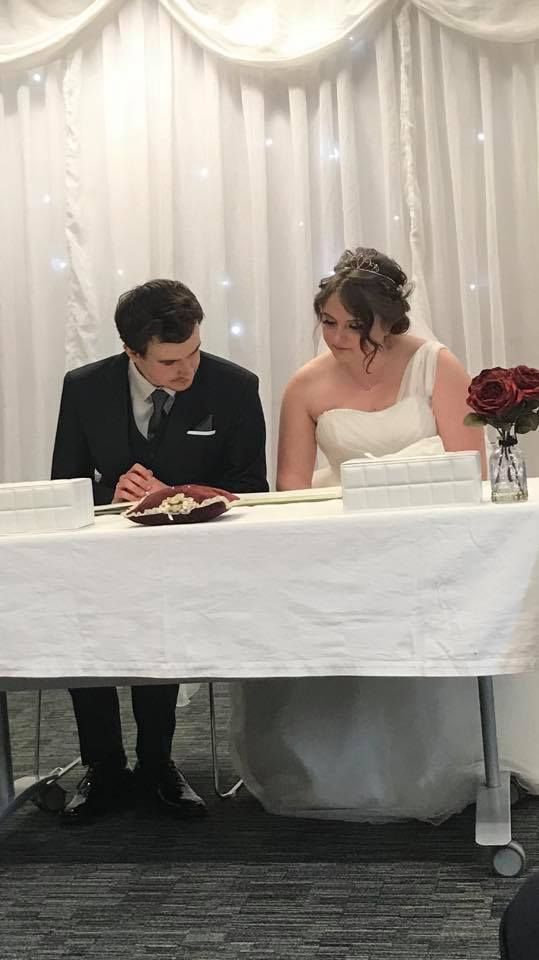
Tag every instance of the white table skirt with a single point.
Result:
(277, 591)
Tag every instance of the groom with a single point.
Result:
(161, 413)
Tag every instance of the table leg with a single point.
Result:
(7, 787)
(215, 757)
(493, 811)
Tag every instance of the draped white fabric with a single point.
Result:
(257, 30)
(142, 153)
(510, 21)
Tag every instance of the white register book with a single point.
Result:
(45, 506)
(421, 481)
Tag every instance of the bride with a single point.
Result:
(371, 748)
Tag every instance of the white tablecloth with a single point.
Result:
(275, 591)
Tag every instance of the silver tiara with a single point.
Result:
(368, 265)
(364, 263)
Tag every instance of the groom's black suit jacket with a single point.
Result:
(214, 433)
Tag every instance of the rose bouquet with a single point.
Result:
(508, 400)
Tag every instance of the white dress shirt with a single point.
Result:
(141, 398)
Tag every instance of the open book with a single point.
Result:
(251, 499)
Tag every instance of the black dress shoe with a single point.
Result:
(167, 789)
(102, 790)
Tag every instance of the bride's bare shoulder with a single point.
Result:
(310, 373)
(302, 391)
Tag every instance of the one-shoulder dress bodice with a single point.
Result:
(345, 434)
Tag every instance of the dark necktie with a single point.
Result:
(159, 399)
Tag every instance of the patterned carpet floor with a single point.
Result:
(241, 883)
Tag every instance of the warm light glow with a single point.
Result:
(203, 172)
(481, 136)
(269, 142)
(236, 329)
(36, 77)
(46, 198)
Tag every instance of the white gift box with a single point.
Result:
(447, 478)
(45, 506)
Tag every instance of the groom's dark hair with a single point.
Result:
(163, 310)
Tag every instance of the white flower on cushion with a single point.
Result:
(180, 504)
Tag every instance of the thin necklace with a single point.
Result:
(367, 385)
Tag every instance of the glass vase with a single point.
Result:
(507, 469)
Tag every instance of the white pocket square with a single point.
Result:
(200, 433)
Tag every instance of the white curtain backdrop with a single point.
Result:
(132, 149)
(268, 31)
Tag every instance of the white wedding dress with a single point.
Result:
(376, 748)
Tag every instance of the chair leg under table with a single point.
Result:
(493, 810)
(215, 757)
(7, 787)
(44, 789)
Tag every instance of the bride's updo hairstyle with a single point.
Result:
(369, 285)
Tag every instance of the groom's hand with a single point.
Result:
(136, 483)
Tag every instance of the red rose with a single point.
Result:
(527, 380)
(493, 392)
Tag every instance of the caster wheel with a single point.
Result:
(51, 797)
(509, 861)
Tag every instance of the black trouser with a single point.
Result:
(519, 929)
(97, 712)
